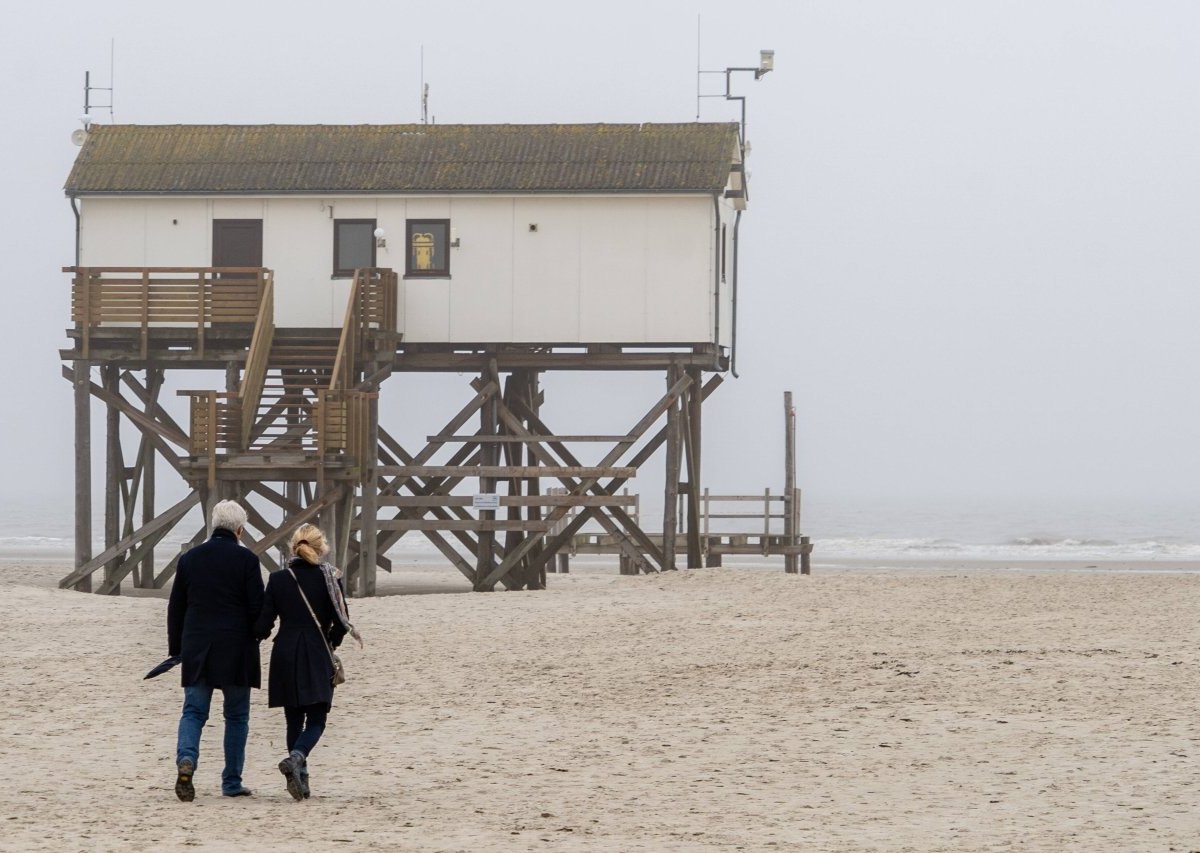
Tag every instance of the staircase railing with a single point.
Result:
(255, 373)
(144, 297)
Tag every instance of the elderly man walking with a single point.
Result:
(215, 600)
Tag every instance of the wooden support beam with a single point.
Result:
(515, 439)
(370, 509)
(506, 472)
(325, 500)
(154, 382)
(512, 500)
(141, 419)
(634, 434)
(489, 525)
(629, 524)
(168, 571)
(81, 380)
(790, 561)
(671, 478)
(487, 472)
(168, 518)
(113, 465)
(692, 412)
(560, 539)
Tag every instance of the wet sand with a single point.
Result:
(945, 707)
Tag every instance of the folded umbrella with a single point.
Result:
(169, 663)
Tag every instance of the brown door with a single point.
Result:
(237, 243)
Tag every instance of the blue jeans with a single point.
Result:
(196, 701)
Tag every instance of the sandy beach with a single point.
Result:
(930, 709)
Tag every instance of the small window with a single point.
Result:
(353, 246)
(428, 242)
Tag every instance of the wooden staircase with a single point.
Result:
(299, 365)
(299, 412)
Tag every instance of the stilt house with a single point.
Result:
(310, 263)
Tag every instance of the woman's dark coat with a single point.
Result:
(215, 598)
(300, 671)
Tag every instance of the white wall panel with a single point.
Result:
(612, 271)
(679, 270)
(481, 270)
(628, 269)
(545, 267)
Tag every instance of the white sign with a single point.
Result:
(485, 502)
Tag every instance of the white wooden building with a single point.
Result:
(541, 234)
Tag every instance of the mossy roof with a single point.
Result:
(503, 158)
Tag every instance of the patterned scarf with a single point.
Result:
(331, 574)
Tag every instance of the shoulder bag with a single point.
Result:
(339, 672)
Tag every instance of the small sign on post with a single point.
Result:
(485, 502)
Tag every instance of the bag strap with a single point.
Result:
(313, 614)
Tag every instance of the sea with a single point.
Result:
(870, 529)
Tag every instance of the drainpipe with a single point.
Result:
(737, 220)
(75, 210)
(717, 270)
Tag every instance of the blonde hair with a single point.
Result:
(308, 543)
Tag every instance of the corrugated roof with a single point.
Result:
(403, 158)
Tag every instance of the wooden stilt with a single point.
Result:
(790, 510)
(671, 490)
(113, 474)
(145, 578)
(692, 407)
(369, 534)
(485, 556)
(83, 472)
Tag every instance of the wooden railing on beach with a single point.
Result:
(143, 297)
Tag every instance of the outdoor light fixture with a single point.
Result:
(766, 63)
(380, 238)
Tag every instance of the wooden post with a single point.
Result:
(790, 510)
(671, 492)
(113, 472)
(805, 556)
(695, 401)
(368, 530)
(83, 471)
(489, 453)
(145, 580)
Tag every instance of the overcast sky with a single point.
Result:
(971, 249)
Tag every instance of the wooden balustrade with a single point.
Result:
(144, 297)
(255, 373)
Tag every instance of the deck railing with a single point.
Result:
(337, 423)
(255, 373)
(372, 305)
(146, 297)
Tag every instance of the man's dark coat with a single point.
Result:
(216, 596)
(300, 667)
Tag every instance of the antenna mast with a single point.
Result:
(424, 90)
(88, 88)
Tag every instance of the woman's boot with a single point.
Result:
(292, 767)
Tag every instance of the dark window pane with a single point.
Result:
(354, 246)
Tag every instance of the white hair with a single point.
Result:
(229, 515)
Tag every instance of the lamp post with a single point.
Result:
(766, 64)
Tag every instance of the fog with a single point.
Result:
(970, 249)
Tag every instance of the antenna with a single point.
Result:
(424, 90)
(88, 88)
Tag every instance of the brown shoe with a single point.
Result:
(184, 789)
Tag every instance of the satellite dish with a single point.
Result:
(79, 136)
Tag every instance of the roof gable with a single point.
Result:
(215, 159)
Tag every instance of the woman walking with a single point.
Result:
(309, 599)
